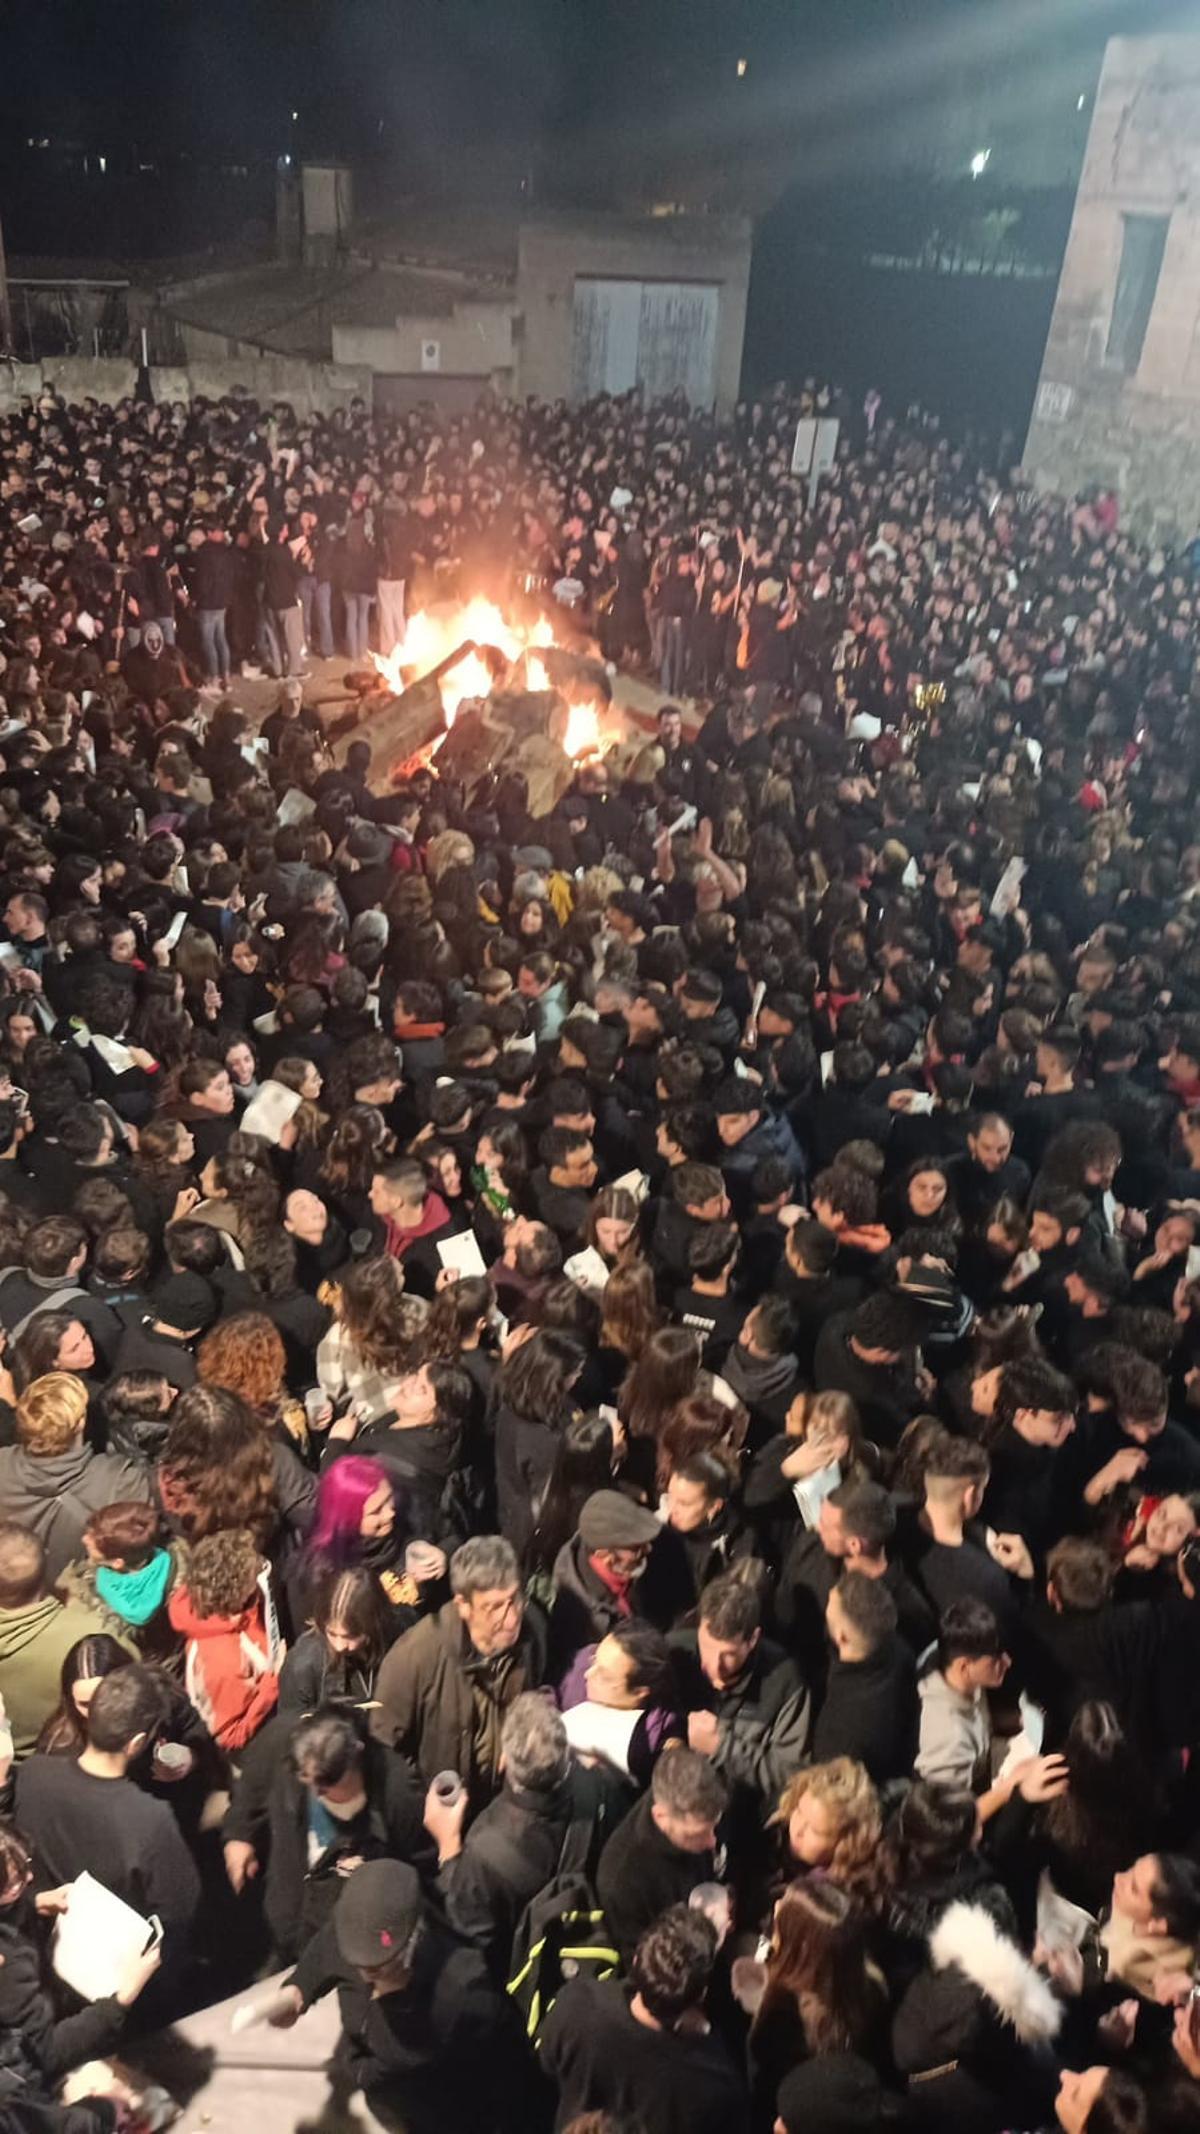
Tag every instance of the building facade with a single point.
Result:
(1118, 401)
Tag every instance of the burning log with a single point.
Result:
(499, 696)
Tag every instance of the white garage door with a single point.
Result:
(659, 335)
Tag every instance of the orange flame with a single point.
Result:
(428, 639)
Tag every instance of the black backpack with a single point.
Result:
(561, 1934)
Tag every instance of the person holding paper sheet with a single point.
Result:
(41, 2044)
(86, 1813)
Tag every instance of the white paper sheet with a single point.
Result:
(98, 1937)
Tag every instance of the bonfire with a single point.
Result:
(475, 688)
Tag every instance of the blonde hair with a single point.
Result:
(844, 1788)
(450, 848)
(598, 886)
(50, 1413)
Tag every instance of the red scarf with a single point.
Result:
(618, 1587)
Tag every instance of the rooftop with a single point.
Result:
(290, 310)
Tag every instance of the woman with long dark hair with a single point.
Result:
(337, 1656)
(1104, 1820)
(629, 1315)
(534, 1407)
(84, 1668)
(420, 1436)
(498, 1179)
(666, 1372)
(353, 1153)
(817, 1992)
(373, 1339)
(587, 1456)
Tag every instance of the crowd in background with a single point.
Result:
(600, 1410)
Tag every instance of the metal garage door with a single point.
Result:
(658, 335)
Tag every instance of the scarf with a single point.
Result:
(620, 1588)
(136, 1595)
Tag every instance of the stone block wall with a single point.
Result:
(1095, 422)
(311, 388)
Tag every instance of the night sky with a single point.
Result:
(425, 84)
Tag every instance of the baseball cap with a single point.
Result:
(610, 1520)
(378, 1912)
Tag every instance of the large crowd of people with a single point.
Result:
(600, 1410)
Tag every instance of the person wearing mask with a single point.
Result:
(311, 1800)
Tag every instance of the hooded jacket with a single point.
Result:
(974, 2030)
(231, 1665)
(955, 1734)
(55, 1496)
(34, 1642)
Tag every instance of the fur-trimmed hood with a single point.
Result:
(978, 2004)
(967, 1938)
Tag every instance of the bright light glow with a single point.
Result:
(741, 68)
(295, 116)
(980, 161)
(1080, 101)
(429, 639)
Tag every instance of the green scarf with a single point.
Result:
(137, 1595)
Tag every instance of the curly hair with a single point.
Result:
(245, 1355)
(223, 1572)
(844, 1789)
(216, 1469)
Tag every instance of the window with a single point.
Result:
(1142, 249)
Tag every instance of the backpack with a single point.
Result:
(562, 1934)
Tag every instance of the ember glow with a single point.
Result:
(430, 638)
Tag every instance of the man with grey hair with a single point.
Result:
(666, 1846)
(550, 1813)
(446, 1685)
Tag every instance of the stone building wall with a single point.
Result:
(1118, 403)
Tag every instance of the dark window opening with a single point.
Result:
(1142, 249)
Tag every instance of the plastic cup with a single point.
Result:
(173, 1759)
(423, 1561)
(317, 1404)
(448, 1788)
(712, 1898)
